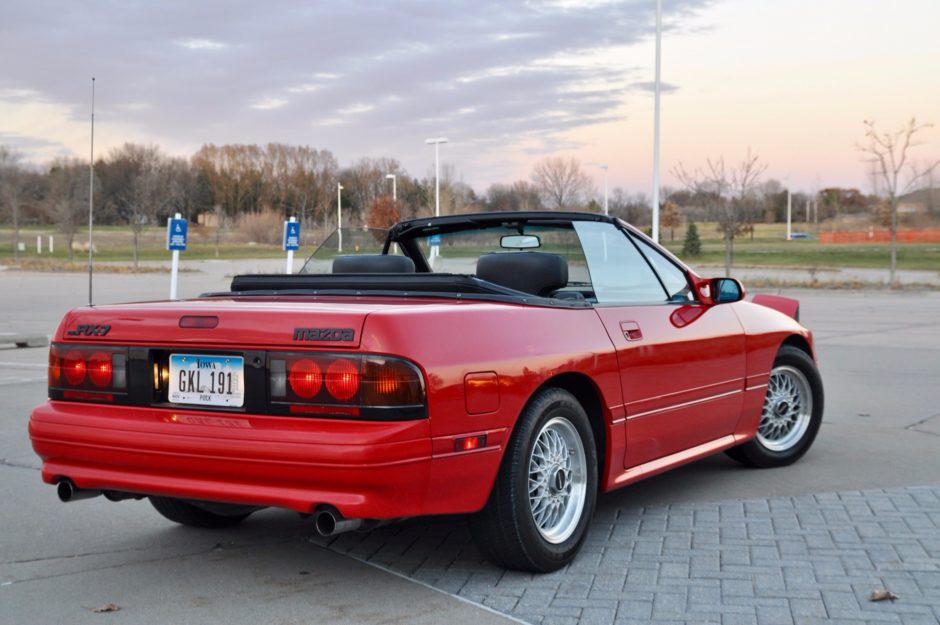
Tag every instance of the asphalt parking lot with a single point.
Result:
(709, 543)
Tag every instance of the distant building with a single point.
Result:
(920, 202)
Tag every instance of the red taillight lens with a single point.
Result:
(363, 386)
(342, 379)
(99, 369)
(87, 371)
(305, 378)
(74, 366)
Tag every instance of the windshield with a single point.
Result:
(346, 242)
(458, 252)
(584, 260)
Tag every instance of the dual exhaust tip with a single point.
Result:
(327, 520)
(68, 491)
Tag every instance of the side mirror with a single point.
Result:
(726, 290)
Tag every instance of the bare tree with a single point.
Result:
(519, 196)
(670, 218)
(887, 155)
(146, 190)
(12, 190)
(561, 181)
(727, 193)
(632, 208)
(67, 199)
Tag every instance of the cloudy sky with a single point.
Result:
(507, 83)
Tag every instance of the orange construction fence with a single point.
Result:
(878, 235)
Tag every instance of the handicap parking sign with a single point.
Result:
(291, 241)
(176, 234)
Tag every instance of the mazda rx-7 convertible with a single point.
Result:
(506, 366)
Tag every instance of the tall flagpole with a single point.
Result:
(91, 195)
(659, 30)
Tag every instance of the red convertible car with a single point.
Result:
(507, 366)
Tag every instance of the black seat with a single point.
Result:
(373, 263)
(569, 295)
(538, 273)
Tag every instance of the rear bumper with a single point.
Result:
(366, 469)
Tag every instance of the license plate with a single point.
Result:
(207, 380)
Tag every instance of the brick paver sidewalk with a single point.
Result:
(785, 560)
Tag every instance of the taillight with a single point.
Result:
(345, 385)
(99, 369)
(390, 381)
(74, 366)
(87, 372)
(305, 378)
(342, 379)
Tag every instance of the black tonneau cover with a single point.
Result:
(410, 282)
(387, 285)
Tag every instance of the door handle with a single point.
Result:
(631, 330)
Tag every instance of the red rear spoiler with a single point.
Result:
(787, 305)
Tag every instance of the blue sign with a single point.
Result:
(176, 234)
(291, 241)
(435, 240)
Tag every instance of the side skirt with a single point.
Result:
(653, 467)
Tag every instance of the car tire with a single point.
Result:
(791, 416)
(537, 515)
(185, 513)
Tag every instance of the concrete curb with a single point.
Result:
(23, 340)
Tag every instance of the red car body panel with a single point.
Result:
(662, 384)
(396, 469)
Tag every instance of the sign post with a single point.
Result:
(175, 241)
(291, 241)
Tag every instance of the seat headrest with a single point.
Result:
(373, 263)
(539, 273)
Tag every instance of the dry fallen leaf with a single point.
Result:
(108, 607)
(882, 594)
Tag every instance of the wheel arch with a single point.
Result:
(799, 342)
(588, 395)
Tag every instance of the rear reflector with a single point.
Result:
(87, 395)
(469, 443)
(346, 411)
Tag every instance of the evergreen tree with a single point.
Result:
(692, 246)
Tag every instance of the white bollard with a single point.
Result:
(39, 244)
(51, 248)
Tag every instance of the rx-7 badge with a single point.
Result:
(89, 330)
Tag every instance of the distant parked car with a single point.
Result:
(508, 366)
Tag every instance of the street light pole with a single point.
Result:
(339, 215)
(394, 190)
(604, 167)
(659, 31)
(436, 142)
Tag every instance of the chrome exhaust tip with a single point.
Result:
(329, 522)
